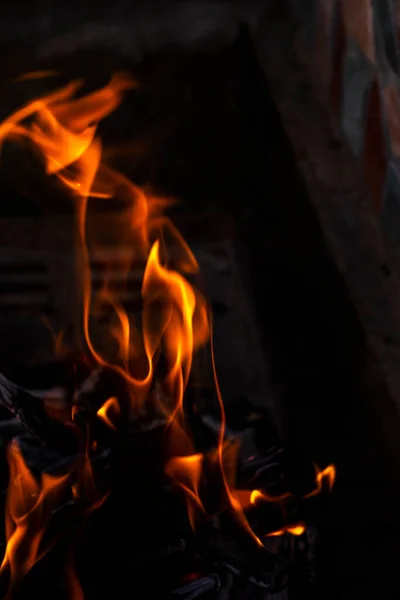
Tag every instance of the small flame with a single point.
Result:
(257, 496)
(296, 530)
(186, 472)
(328, 474)
(29, 506)
(36, 75)
(109, 405)
(232, 499)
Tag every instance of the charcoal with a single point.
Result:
(237, 553)
(30, 412)
(198, 588)
(219, 560)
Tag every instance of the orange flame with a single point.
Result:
(174, 320)
(247, 498)
(102, 413)
(186, 471)
(298, 529)
(174, 317)
(233, 500)
(74, 589)
(328, 474)
(257, 496)
(29, 507)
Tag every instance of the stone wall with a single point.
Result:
(355, 46)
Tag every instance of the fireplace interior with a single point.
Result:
(290, 353)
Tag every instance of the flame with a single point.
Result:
(174, 316)
(29, 506)
(328, 474)
(102, 413)
(257, 496)
(74, 588)
(296, 530)
(186, 471)
(84, 487)
(234, 502)
(64, 129)
(183, 326)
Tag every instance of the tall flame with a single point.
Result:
(174, 316)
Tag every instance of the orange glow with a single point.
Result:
(328, 474)
(36, 75)
(247, 498)
(29, 506)
(74, 589)
(298, 529)
(186, 472)
(257, 496)
(102, 413)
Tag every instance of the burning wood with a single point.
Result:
(123, 448)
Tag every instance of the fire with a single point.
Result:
(296, 530)
(246, 498)
(258, 496)
(183, 325)
(174, 316)
(110, 405)
(29, 508)
(186, 471)
(175, 322)
(235, 504)
(328, 474)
